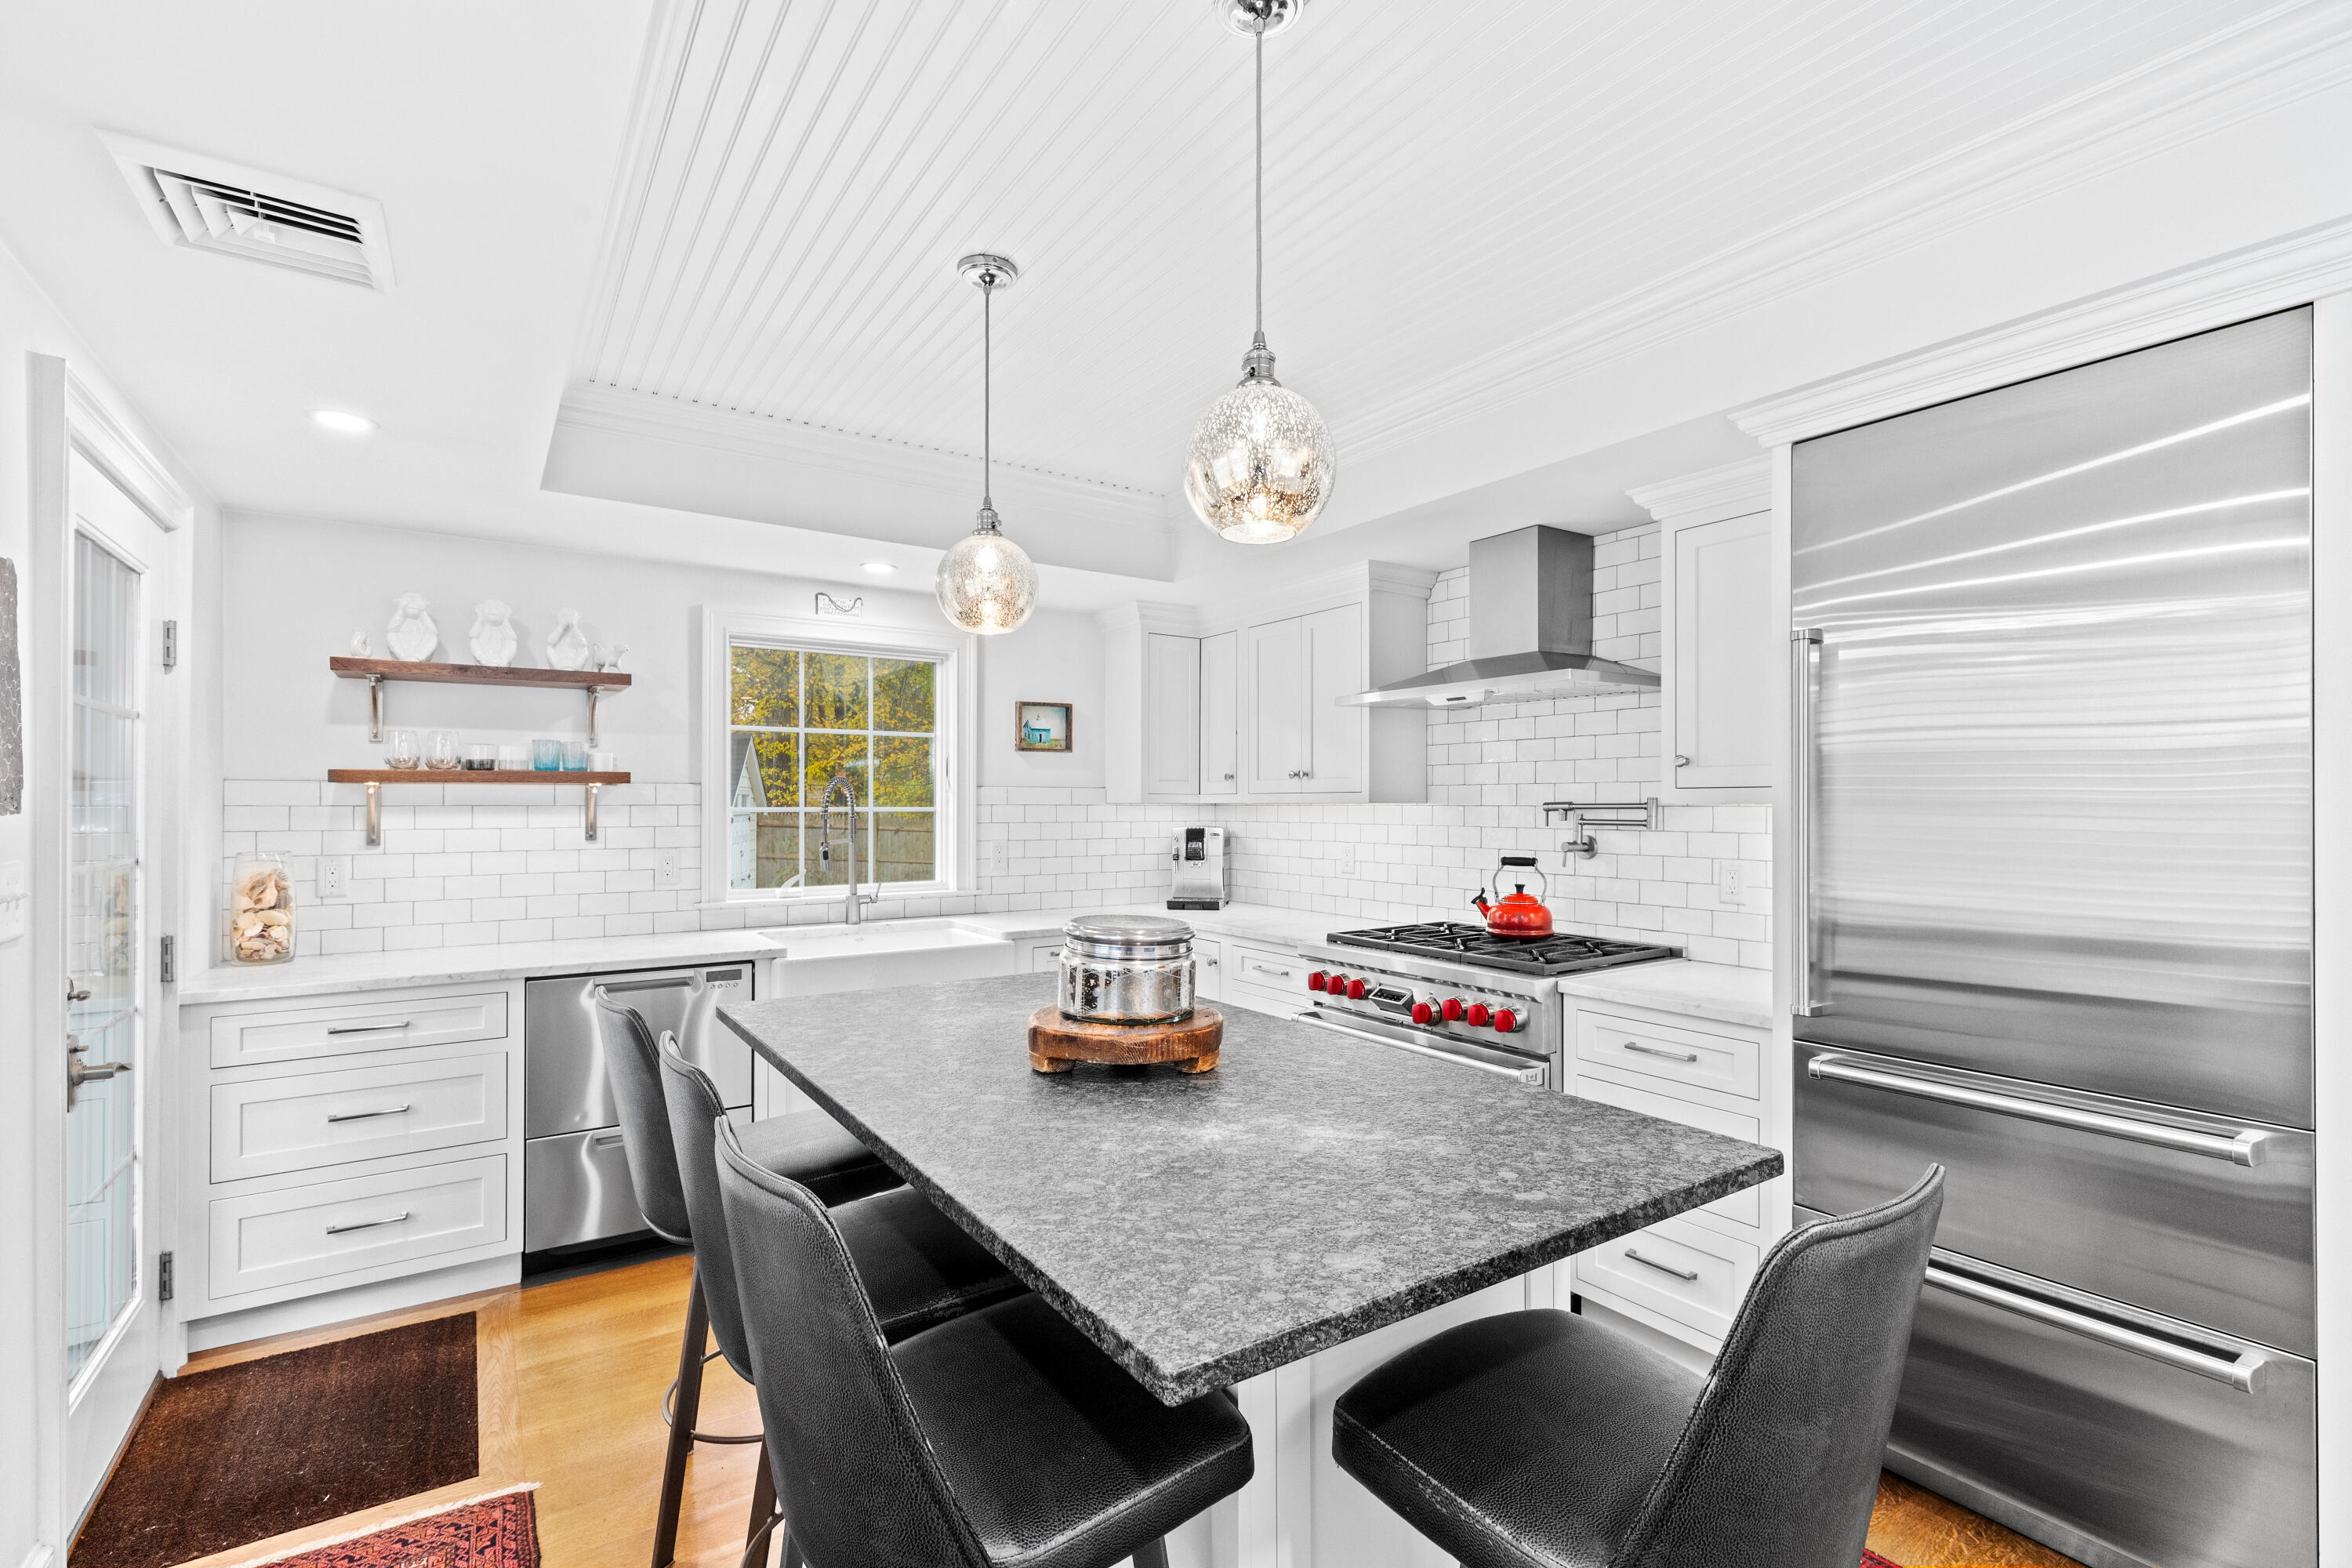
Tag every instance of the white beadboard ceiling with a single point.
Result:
(1445, 185)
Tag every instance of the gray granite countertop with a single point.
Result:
(1204, 1229)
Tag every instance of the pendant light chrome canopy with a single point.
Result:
(987, 583)
(1261, 464)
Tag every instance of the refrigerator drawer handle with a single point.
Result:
(2247, 1148)
(1531, 1075)
(605, 1140)
(2242, 1371)
(1683, 1274)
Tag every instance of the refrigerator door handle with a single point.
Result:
(2247, 1147)
(2241, 1371)
(1804, 665)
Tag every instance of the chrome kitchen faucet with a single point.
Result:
(856, 913)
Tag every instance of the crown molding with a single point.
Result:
(110, 442)
(2275, 275)
(609, 411)
(2281, 54)
(1735, 490)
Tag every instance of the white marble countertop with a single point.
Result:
(1721, 991)
(1696, 990)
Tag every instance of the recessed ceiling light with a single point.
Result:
(880, 568)
(349, 424)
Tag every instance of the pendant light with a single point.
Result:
(1261, 464)
(987, 583)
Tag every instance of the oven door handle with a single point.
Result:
(1531, 1074)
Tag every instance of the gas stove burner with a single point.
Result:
(1558, 954)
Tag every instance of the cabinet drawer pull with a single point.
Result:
(367, 1029)
(368, 1224)
(1654, 1051)
(364, 1115)
(1268, 969)
(1685, 1275)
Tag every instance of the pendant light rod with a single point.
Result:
(987, 273)
(1260, 201)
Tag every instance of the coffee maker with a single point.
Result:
(1200, 879)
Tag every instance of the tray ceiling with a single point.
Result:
(1444, 184)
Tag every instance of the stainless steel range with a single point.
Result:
(1459, 993)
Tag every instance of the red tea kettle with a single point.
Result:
(1518, 913)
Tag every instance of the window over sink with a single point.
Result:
(804, 711)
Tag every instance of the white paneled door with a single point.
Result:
(117, 558)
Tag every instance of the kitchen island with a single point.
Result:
(1279, 1225)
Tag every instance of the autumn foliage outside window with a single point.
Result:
(796, 716)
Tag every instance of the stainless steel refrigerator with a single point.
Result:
(2051, 648)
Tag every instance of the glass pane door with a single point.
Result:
(103, 946)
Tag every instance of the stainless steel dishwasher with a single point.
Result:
(575, 1184)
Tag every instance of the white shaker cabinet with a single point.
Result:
(1220, 735)
(1718, 657)
(1274, 666)
(1171, 735)
(1332, 643)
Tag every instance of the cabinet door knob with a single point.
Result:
(1681, 761)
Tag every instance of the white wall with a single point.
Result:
(31, 1224)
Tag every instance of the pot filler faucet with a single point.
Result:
(855, 911)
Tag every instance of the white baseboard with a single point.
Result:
(356, 1302)
(39, 1557)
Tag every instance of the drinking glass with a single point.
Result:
(441, 750)
(546, 756)
(575, 756)
(400, 749)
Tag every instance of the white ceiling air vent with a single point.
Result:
(207, 205)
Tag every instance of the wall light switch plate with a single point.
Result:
(1348, 861)
(334, 876)
(1731, 882)
(668, 869)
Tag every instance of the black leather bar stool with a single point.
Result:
(814, 1150)
(917, 1267)
(1000, 1438)
(1541, 1440)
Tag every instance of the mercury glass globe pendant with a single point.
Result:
(987, 583)
(1261, 464)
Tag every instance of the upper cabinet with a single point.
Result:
(1247, 705)
(1721, 728)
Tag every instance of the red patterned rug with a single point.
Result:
(497, 1531)
(1873, 1559)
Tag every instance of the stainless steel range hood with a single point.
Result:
(1530, 630)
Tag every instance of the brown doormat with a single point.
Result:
(244, 1452)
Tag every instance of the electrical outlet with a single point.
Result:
(998, 855)
(668, 871)
(1731, 882)
(1346, 860)
(334, 876)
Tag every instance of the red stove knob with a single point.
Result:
(1478, 1014)
(1506, 1022)
(1453, 1009)
(1423, 1012)
(1317, 981)
(1355, 990)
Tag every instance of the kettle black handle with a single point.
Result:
(1519, 860)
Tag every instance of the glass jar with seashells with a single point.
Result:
(260, 911)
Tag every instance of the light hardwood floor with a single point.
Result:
(572, 1378)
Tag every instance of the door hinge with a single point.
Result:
(171, 644)
(163, 1277)
(171, 945)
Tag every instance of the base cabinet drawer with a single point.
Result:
(1265, 978)
(1720, 1062)
(1696, 1276)
(1208, 970)
(268, 1127)
(299, 1234)
(1744, 1207)
(242, 1039)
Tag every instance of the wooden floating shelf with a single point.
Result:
(350, 668)
(470, 775)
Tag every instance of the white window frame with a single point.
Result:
(955, 746)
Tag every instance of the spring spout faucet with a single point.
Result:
(855, 912)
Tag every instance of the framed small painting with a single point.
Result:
(1041, 726)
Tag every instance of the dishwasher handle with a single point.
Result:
(2248, 1146)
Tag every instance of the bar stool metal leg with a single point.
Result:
(681, 1422)
(764, 1506)
(1152, 1555)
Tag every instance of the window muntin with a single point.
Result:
(799, 716)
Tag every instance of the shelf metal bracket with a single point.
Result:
(375, 711)
(1583, 818)
(375, 816)
(592, 788)
(594, 693)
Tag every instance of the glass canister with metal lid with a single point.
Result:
(1126, 969)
